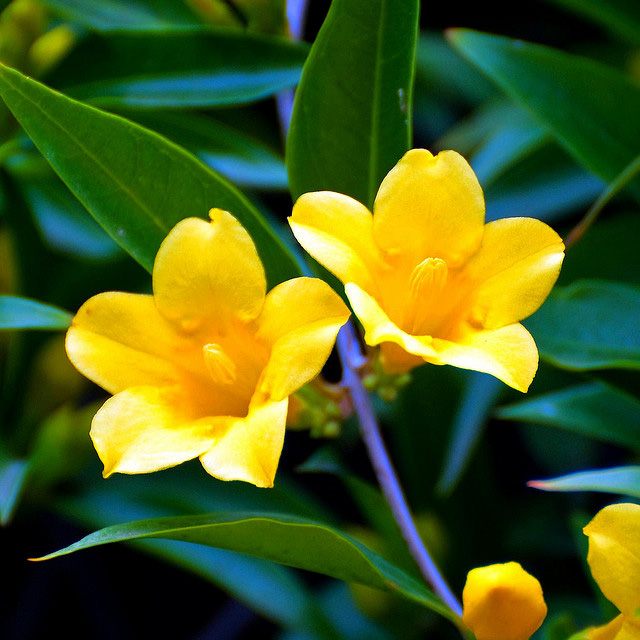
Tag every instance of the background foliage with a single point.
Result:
(168, 108)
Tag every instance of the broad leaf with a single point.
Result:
(179, 69)
(136, 184)
(352, 113)
(594, 410)
(228, 150)
(590, 108)
(289, 540)
(621, 480)
(591, 324)
(22, 313)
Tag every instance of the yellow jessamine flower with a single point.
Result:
(426, 277)
(203, 367)
(614, 559)
(502, 602)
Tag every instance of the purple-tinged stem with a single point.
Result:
(351, 356)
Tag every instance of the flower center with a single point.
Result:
(429, 277)
(220, 365)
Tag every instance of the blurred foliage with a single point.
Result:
(169, 108)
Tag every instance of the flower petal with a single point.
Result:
(607, 631)
(119, 340)
(147, 429)
(249, 448)
(515, 269)
(208, 271)
(338, 232)
(614, 554)
(509, 354)
(300, 320)
(378, 328)
(430, 207)
(503, 602)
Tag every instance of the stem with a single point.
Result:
(351, 357)
(594, 211)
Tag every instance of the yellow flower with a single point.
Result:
(204, 367)
(502, 602)
(426, 277)
(614, 558)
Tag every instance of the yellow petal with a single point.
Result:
(249, 448)
(379, 328)
(119, 340)
(614, 554)
(430, 207)
(509, 354)
(608, 631)
(208, 272)
(146, 429)
(338, 232)
(514, 270)
(299, 321)
(502, 602)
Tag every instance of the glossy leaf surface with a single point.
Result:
(620, 480)
(590, 108)
(136, 184)
(21, 313)
(285, 539)
(352, 114)
(179, 69)
(590, 324)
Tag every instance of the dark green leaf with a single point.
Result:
(621, 480)
(352, 113)
(179, 69)
(136, 15)
(22, 313)
(595, 410)
(13, 474)
(238, 157)
(590, 108)
(591, 324)
(136, 184)
(288, 540)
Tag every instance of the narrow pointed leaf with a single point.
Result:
(22, 313)
(590, 108)
(13, 474)
(620, 480)
(595, 410)
(179, 68)
(135, 183)
(289, 540)
(352, 114)
(591, 324)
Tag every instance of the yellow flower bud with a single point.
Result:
(502, 602)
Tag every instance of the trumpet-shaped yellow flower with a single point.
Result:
(426, 277)
(614, 558)
(502, 602)
(203, 367)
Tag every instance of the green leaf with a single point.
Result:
(590, 108)
(179, 69)
(228, 150)
(621, 480)
(22, 313)
(13, 474)
(134, 182)
(138, 15)
(288, 540)
(591, 324)
(352, 113)
(594, 410)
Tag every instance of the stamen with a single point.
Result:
(220, 365)
(429, 276)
